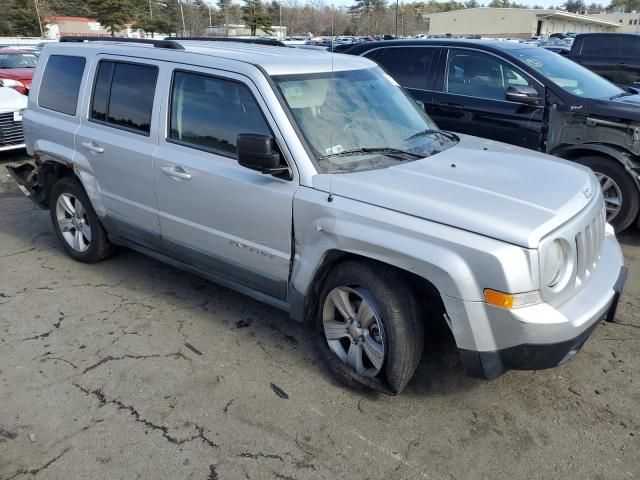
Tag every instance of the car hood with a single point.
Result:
(10, 100)
(626, 108)
(17, 73)
(493, 189)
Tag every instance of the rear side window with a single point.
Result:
(600, 45)
(408, 65)
(209, 113)
(630, 46)
(123, 95)
(60, 84)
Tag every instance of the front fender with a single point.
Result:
(458, 263)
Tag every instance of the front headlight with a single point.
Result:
(556, 263)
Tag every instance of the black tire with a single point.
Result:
(98, 246)
(391, 296)
(630, 196)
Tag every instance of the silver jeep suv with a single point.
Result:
(312, 182)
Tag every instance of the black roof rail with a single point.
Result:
(259, 41)
(156, 43)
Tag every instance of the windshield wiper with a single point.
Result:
(430, 131)
(620, 95)
(390, 152)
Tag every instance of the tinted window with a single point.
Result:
(483, 76)
(630, 46)
(18, 60)
(408, 65)
(101, 90)
(600, 45)
(61, 83)
(123, 95)
(210, 112)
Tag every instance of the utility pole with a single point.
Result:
(209, 5)
(35, 2)
(184, 26)
(150, 10)
(397, 4)
(280, 33)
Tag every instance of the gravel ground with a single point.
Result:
(133, 369)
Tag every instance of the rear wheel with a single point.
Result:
(76, 224)
(621, 195)
(371, 332)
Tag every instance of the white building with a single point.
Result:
(513, 22)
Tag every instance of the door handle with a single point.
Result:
(92, 147)
(451, 106)
(176, 172)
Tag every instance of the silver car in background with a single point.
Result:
(312, 182)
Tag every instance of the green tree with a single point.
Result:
(471, 4)
(112, 14)
(255, 17)
(574, 6)
(22, 18)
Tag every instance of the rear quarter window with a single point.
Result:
(60, 84)
(408, 65)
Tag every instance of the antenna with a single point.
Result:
(330, 197)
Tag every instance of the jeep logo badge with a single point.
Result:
(587, 192)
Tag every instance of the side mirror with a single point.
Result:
(258, 152)
(522, 94)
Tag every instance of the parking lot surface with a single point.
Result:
(132, 369)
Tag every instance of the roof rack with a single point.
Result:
(259, 41)
(156, 43)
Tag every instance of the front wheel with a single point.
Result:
(371, 331)
(621, 195)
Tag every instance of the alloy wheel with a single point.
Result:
(354, 330)
(612, 195)
(73, 222)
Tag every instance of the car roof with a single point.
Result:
(275, 60)
(13, 51)
(489, 45)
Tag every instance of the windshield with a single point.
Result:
(567, 74)
(358, 120)
(17, 60)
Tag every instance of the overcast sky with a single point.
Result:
(544, 3)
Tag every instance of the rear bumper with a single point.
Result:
(492, 364)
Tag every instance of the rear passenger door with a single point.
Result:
(215, 214)
(410, 67)
(117, 137)
(472, 99)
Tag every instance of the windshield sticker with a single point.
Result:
(535, 63)
(333, 150)
(293, 92)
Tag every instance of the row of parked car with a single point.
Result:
(316, 184)
(530, 97)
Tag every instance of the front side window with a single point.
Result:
(211, 112)
(60, 84)
(357, 120)
(567, 74)
(123, 95)
(408, 65)
(476, 74)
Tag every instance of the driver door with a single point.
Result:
(472, 100)
(216, 215)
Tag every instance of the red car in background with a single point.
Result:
(16, 69)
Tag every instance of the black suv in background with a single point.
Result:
(614, 56)
(526, 96)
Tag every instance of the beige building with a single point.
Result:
(513, 22)
(627, 22)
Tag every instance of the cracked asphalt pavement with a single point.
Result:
(132, 369)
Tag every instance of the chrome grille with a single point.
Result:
(10, 131)
(589, 244)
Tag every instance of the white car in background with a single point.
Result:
(12, 104)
